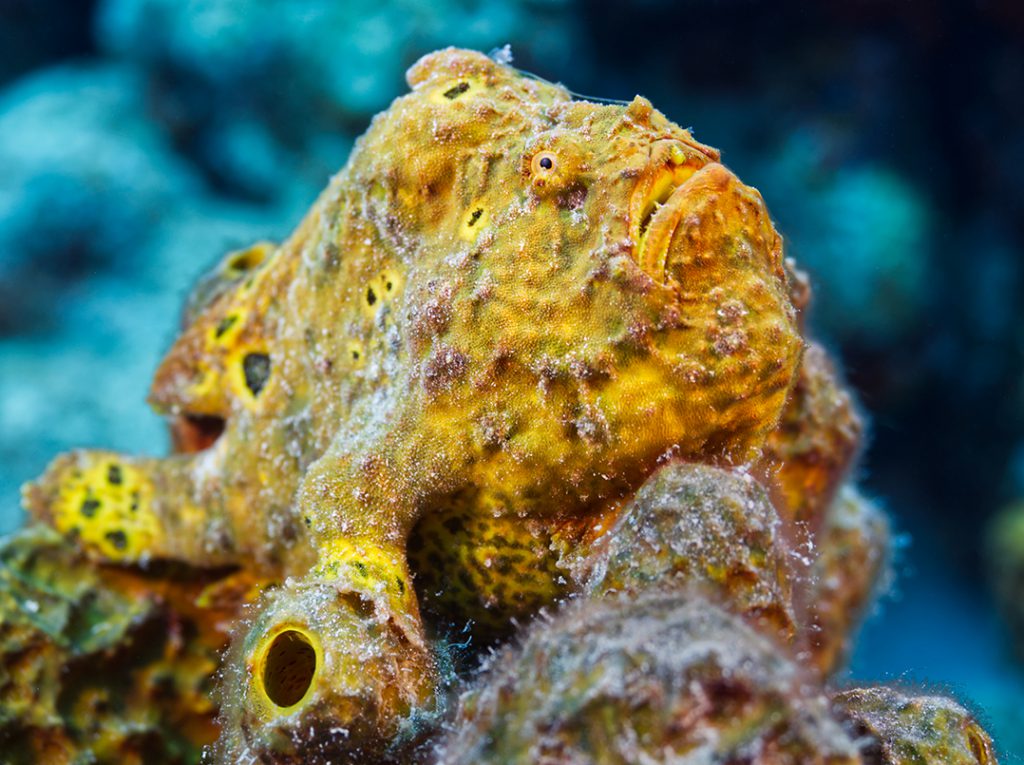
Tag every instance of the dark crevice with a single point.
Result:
(191, 433)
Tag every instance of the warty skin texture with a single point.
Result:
(502, 317)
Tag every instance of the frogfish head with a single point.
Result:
(478, 150)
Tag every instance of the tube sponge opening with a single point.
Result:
(289, 667)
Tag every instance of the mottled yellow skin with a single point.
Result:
(507, 300)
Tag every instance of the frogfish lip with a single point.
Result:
(657, 204)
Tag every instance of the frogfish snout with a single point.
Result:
(685, 215)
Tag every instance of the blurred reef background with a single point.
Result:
(141, 139)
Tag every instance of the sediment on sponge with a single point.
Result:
(694, 525)
(655, 677)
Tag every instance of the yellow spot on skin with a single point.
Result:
(391, 282)
(473, 222)
(240, 261)
(381, 291)
(224, 332)
(716, 573)
(456, 90)
(355, 353)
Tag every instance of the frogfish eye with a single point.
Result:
(544, 162)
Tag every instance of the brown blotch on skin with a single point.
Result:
(445, 366)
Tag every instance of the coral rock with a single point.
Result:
(906, 729)
(705, 528)
(852, 564)
(104, 665)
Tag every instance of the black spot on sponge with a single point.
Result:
(475, 216)
(455, 91)
(117, 538)
(114, 476)
(256, 367)
(371, 296)
(89, 507)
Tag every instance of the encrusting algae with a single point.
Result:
(523, 349)
(101, 663)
